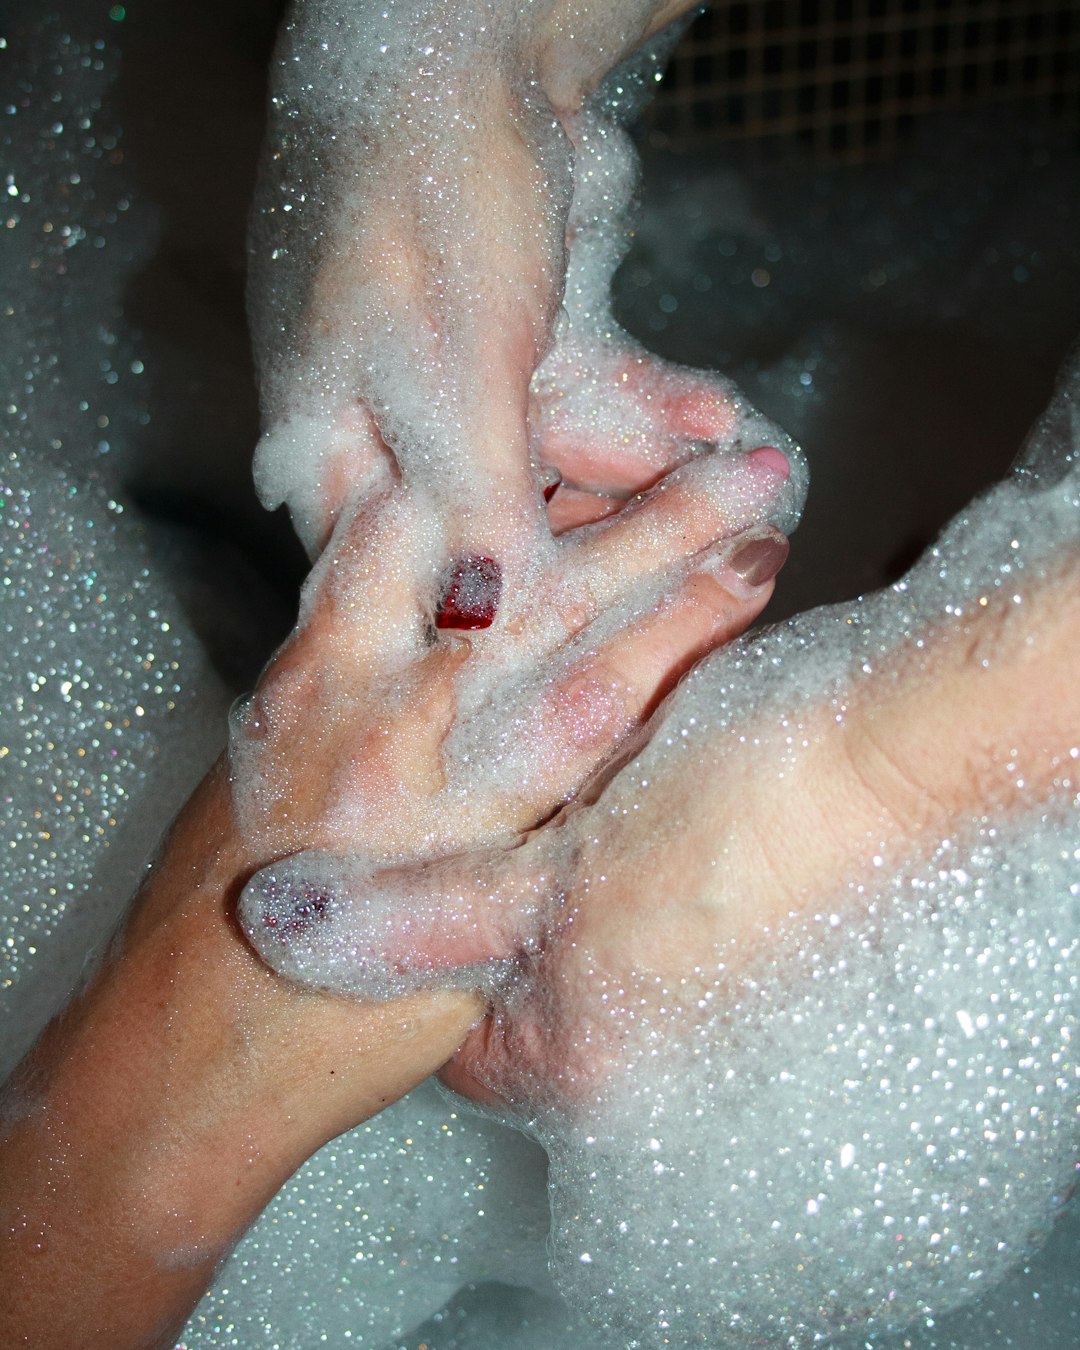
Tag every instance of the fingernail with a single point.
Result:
(470, 594)
(758, 558)
(550, 480)
(745, 487)
(773, 459)
(289, 912)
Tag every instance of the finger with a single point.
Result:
(488, 499)
(361, 617)
(610, 691)
(655, 416)
(488, 510)
(570, 507)
(335, 922)
(686, 512)
(473, 461)
(322, 464)
(367, 598)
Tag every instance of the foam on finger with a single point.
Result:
(338, 923)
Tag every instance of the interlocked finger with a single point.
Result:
(687, 512)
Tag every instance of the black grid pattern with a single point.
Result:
(849, 77)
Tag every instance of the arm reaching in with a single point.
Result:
(440, 211)
(795, 986)
(180, 1089)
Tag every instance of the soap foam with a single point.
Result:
(874, 1125)
(429, 1204)
(109, 705)
(876, 1117)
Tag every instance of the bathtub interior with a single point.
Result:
(904, 321)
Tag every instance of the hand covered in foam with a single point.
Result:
(791, 999)
(440, 211)
(796, 1018)
(380, 735)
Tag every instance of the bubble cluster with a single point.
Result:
(859, 1130)
(383, 1228)
(870, 1127)
(101, 736)
(70, 227)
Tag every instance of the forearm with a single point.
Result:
(977, 717)
(159, 1114)
(982, 714)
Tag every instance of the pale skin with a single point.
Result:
(118, 1199)
(984, 718)
(120, 1196)
(482, 303)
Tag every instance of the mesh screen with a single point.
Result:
(849, 77)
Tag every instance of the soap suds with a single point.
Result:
(425, 1217)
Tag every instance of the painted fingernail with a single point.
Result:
(550, 481)
(289, 913)
(470, 594)
(773, 459)
(758, 559)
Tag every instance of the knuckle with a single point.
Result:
(594, 704)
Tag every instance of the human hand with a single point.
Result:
(729, 963)
(415, 746)
(800, 799)
(426, 185)
(748, 810)
(794, 1080)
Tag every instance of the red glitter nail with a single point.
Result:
(550, 480)
(309, 907)
(471, 594)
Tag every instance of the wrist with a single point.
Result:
(282, 1067)
(161, 1111)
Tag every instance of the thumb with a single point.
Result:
(340, 923)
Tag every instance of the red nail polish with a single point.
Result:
(471, 595)
(309, 907)
(549, 479)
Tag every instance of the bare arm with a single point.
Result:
(159, 1114)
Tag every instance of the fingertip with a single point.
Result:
(758, 555)
(772, 459)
